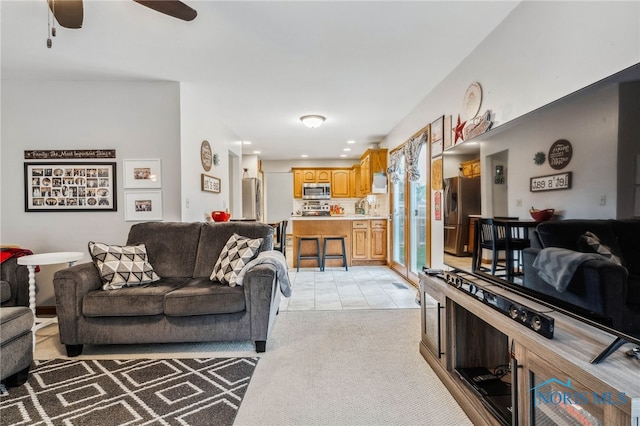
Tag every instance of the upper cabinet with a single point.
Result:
(298, 179)
(354, 182)
(340, 187)
(470, 168)
(337, 177)
(372, 161)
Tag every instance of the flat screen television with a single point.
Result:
(509, 152)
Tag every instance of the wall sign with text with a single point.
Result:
(550, 182)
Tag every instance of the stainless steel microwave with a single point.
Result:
(316, 191)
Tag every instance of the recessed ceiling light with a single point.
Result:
(351, 141)
(343, 155)
(347, 149)
(304, 156)
(256, 152)
(246, 142)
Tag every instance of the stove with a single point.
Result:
(316, 208)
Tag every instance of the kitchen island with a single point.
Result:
(365, 238)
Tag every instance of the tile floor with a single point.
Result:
(361, 287)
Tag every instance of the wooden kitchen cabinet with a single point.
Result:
(369, 241)
(360, 240)
(297, 183)
(470, 168)
(340, 187)
(309, 176)
(378, 240)
(355, 190)
(323, 176)
(373, 160)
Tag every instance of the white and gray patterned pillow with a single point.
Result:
(121, 266)
(236, 253)
(590, 243)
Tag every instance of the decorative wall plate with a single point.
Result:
(472, 100)
(206, 155)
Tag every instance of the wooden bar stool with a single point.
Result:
(342, 255)
(315, 256)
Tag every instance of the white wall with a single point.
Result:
(542, 51)
(138, 120)
(199, 123)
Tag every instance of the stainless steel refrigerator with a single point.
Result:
(461, 199)
(251, 199)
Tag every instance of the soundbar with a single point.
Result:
(537, 321)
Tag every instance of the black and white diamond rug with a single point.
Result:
(130, 392)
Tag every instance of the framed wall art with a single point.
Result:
(57, 187)
(143, 206)
(209, 183)
(437, 136)
(142, 173)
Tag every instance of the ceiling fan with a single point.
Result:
(69, 13)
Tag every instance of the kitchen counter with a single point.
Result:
(365, 238)
(339, 217)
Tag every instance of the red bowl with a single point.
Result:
(220, 216)
(541, 215)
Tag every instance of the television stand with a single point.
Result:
(462, 337)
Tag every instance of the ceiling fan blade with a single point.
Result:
(68, 13)
(174, 8)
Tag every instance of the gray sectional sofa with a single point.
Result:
(184, 305)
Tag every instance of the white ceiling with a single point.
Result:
(364, 64)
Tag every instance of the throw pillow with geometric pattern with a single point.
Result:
(590, 243)
(237, 252)
(121, 266)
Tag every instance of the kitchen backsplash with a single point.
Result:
(349, 205)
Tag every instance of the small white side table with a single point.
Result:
(31, 262)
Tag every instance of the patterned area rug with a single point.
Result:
(132, 392)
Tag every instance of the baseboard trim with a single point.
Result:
(45, 311)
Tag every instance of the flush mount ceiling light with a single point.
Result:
(312, 121)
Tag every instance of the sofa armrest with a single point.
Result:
(597, 286)
(70, 286)
(18, 278)
(261, 299)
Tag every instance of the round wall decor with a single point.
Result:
(472, 100)
(560, 154)
(206, 156)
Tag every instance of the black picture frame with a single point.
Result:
(70, 187)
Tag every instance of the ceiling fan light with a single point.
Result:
(312, 121)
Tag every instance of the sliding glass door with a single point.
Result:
(399, 255)
(419, 201)
(410, 206)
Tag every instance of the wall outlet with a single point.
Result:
(603, 200)
(519, 202)
(187, 203)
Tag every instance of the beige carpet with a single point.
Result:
(322, 368)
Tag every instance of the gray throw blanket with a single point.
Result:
(556, 266)
(275, 258)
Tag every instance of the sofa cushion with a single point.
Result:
(5, 291)
(237, 252)
(15, 321)
(215, 235)
(202, 297)
(146, 299)
(590, 243)
(121, 266)
(172, 246)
